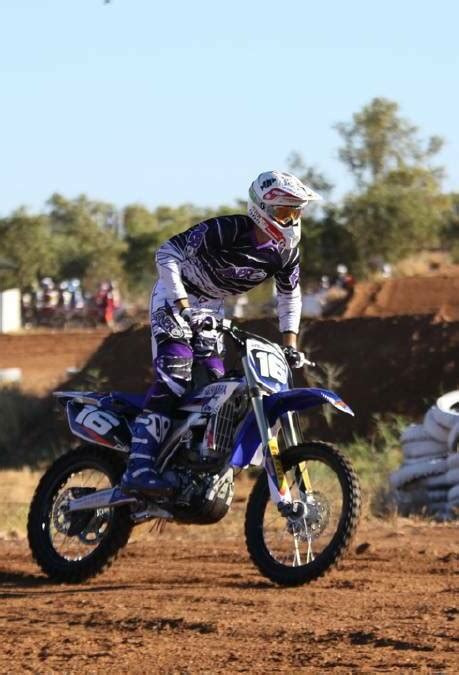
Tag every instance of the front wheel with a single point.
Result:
(72, 547)
(296, 551)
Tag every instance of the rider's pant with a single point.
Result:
(173, 357)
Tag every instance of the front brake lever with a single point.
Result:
(312, 364)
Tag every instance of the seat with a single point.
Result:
(119, 399)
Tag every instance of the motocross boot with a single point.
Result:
(141, 475)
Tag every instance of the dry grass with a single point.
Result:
(373, 461)
(16, 490)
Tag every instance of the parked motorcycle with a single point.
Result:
(80, 519)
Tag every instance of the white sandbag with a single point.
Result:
(410, 500)
(453, 494)
(415, 501)
(435, 430)
(444, 411)
(406, 474)
(440, 512)
(414, 432)
(436, 507)
(423, 449)
(452, 477)
(453, 438)
(412, 460)
(453, 510)
(434, 496)
(439, 481)
(453, 461)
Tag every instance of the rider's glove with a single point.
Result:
(184, 326)
(295, 359)
(198, 319)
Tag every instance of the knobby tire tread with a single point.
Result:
(335, 550)
(54, 566)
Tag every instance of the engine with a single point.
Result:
(205, 484)
(203, 498)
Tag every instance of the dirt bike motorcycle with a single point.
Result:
(80, 519)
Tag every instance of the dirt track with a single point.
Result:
(190, 601)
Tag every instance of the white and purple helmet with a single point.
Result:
(276, 200)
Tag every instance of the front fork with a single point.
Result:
(277, 480)
(293, 436)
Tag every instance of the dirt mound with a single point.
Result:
(388, 365)
(394, 365)
(45, 357)
(437, 295)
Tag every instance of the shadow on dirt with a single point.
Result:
(19, 580)
(22, 579)
(249, 584)
(363, 638)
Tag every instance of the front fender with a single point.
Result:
(276, 405)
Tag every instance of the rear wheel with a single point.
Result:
(74, 547)
(295, 551)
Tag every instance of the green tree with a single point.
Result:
(145, 230)
(309, 175)
(138, 220)
(26, 245)
(398, 206)
(379, 141)
(398, 215)
(450, 232)
(84, 240)
(325, 240)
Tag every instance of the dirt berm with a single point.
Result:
(438, 295)
(389, 365)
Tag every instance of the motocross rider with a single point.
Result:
(197, 269)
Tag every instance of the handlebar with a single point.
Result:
(237, 334)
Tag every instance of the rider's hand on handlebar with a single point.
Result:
(198, 319)
(295, 358)
(185, 326)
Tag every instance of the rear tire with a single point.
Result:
(289, 575)
(118, 526)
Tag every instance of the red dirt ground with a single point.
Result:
(190, 601)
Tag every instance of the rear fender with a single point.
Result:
(248, 439)
(99, 427)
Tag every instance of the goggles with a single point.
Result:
(284, 215)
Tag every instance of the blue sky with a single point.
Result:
(173, 102)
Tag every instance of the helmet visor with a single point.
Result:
(284, 215)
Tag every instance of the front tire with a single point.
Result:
(289, 553)
(73, 550)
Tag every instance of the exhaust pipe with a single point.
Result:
(101, 499)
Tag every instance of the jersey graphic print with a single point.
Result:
(248, 273)
(221, 257)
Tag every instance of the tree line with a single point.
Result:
(396, 207)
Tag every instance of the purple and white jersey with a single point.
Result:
(221, 257)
